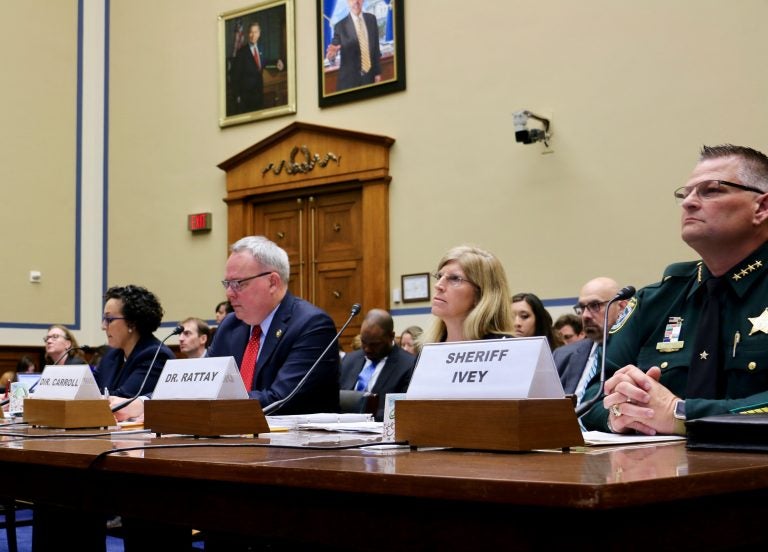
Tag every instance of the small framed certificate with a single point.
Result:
(415, 287)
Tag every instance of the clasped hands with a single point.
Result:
(635, 400)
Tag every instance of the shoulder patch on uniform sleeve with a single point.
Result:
(624, 316)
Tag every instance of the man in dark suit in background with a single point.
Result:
(248, 73)
(576, 361)
(380, 366)
(357, 37)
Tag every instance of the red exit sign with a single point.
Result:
(199, 222)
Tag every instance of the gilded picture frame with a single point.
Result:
(257, 80)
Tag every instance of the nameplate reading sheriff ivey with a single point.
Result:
(514, 368)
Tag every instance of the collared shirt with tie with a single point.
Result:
(250, 357)
(364, 378)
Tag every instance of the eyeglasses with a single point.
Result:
(53, 337)
(594, 307)
(237, 285)
(453, 280)
(710, 189)
(107, 320)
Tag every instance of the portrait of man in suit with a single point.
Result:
(361, 49)
(257, 62)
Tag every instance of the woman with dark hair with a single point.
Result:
(532, 319)
(131, 315)
(60, 346)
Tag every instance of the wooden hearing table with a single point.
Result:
(636, 497)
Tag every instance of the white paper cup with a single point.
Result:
(18, 394)
(389, 415)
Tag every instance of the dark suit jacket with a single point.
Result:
(570, 361)
(345, 34)
(299, 333)
(248, 80)
(123, 378)
(394, 378)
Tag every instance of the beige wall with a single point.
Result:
(633, 90)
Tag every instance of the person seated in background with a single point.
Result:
(222, 310)
(471, 299)
(578, 363)
(569, 327)
(356, 344)
(61, 346)
(131, 315)
(380, 366)
(26, 365)
(533, 319)
(193, 340)
(409, 339)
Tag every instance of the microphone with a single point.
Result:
(84, 348)
(176, 331)
(624, 293)
(275, 406)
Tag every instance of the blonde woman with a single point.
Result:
(471, 299)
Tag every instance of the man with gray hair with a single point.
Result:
(274, 336)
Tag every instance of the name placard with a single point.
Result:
(515, 368)
(71, 381)
(200, 378)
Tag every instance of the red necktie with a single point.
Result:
(256, 57)
(248, 366)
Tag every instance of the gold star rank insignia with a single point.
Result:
(759, 323)
(704, 355)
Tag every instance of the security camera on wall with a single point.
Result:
(526, 135)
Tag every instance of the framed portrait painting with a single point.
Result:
(361, 49)
(257, 56)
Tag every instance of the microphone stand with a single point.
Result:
(275, 406)
(624, 293)
(176, 331)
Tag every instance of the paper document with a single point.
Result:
(358, 427)
(595, 438)
(319, 418)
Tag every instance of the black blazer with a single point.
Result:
(394, 378)
(124, 378)
(571, 360)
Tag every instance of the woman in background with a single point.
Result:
(409, 339)
(61, 346)
(533, 319)
(471, 299)
(131, 315)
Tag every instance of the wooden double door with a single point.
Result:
(322, 234)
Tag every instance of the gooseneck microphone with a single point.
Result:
(84, 348)
(624, 293)
(176, 331)
(275, 406)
